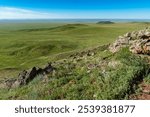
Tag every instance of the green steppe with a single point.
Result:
(24, 45)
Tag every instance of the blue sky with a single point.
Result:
(47, 9)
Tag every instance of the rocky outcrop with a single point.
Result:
(26, 76)
(137, 41)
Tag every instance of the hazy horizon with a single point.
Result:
(70, 20)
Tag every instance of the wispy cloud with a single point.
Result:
(19, 13)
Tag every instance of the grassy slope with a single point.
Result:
(25, 48)
(33, 44)
(74, 80)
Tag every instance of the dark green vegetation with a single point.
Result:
(101, 75)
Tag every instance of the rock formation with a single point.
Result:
(26, 76)
(137, 41)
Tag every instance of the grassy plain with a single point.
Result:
(24, 45)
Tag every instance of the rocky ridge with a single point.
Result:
(137, 41)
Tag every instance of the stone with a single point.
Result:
(8, 83)
(2, 86)
(137, 41)
(31, 74)
(15, 84)
(48, 68)
(147, 33)
(26, 76)
(91, 66)
(128, 34)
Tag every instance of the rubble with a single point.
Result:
(137, 41)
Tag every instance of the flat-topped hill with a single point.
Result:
(105, 22)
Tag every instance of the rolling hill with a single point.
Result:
(84, 66)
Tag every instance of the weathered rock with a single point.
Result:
(31, 74)
(48, 68)
(118, 44)
(16, 84)
(2, 85)
(26, 76)
(147, 48)
(141, 47)
(138, 42)
(22, 77)
(147, 33)
(128, 34)
(7, 83)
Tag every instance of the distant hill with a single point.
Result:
(58, 28)
(105, 22)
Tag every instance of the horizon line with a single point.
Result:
(77, 18)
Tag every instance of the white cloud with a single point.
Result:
(18, 13)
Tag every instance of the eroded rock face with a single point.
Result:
(26, 76)
(137, 41)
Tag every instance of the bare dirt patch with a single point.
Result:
(144, 93)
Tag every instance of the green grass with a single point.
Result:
(72, 80)
(147, 79)
(23, 46)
